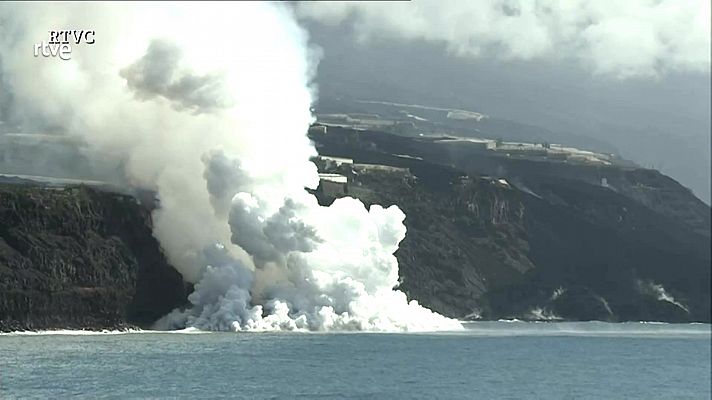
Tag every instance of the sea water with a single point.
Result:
(488, 360)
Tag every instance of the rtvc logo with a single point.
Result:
(59, 44)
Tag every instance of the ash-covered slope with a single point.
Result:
(549, 240)
(78, 257)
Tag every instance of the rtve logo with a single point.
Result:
(60, 43)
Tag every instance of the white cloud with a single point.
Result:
(618, 38)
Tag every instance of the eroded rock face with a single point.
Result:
(80, 258)
(545, 242)
(483, 250)
(548, 242)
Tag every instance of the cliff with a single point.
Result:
(488, 237)
(78, 257)
(496, 237)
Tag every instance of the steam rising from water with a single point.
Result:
(209, 106)
(659, 292)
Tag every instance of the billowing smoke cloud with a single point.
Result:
(224, 177)
(618, 38)
(209, 104)
(156, 74)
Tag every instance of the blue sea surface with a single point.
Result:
(488, 360)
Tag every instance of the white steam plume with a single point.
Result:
(618, 38)
(658, 291)
(209, 104)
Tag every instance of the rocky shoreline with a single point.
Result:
(80, 258)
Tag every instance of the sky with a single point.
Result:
(635, 74)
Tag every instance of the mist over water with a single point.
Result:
(210, 108)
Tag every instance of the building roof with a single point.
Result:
(335, 178)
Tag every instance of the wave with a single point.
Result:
(500, 328)
(73, 332)
(83, 332)
(590, 328)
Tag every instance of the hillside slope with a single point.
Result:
(488, 237)
(548, 241)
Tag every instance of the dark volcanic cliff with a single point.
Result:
(548, 242)
(80, 258)
(488, 237)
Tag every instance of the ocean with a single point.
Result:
(488, 360)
